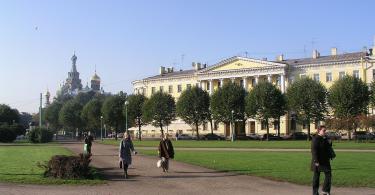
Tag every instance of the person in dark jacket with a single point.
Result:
(125, 149)
(166, 152)
(88, 140)
(321, 148)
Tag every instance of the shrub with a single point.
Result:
(68, 167)
(7, 134)
(40, 135)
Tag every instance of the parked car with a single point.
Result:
(333, 135)
(361, 135)
(212, 137)
(296, 136)
(185, 137)
(243, 137)
(254, 136)
(271, 137)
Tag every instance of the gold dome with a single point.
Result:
(95, 77)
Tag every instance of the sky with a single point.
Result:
(127, 40)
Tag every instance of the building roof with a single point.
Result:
(326, 59)
(173, 74)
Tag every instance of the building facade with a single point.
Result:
(247, 72)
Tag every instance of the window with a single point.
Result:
(152, 90)
(341, 75)
(216, 124)
(242, 83)
(328, 77)
(179, 88)
(188, 86)
(304, 125)
(170, 89)
(161, 89)
(263, 125)
(219, 84)
(302, 76)
(208, 86)
(356, 74)
(276, 125)
(204, 126)
(373, 74)
(278, 83)
(316, 77)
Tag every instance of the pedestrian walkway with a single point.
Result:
(183, 178)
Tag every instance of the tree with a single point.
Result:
(51, 115)
(159, 110)
(112, 112)
(135, 115)
(372, 94)
(230, 97)
(266, 102)
(70, 115)
(91, 113)
(193, 107)
(349, 98)
(8, 115)
(307, 98)
(25, 119)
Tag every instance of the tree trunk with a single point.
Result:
(116, 131)
(139, 129)
(268, 129)
(278, 127)
(196, 128)
(161, 129)
(308, 131)
(212, 129)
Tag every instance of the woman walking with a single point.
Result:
(126, 147)
(165, 152)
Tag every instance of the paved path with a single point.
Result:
(255, 149)
(145, 178)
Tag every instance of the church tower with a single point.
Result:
(73, 80)
(47, 96)
(95, 82)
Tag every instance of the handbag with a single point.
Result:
(158, 164)
(120, 163)
(85, 149)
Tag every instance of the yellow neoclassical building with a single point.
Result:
(247, 72)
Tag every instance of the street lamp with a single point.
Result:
(101, 127)
(126, 116)
(233, 134)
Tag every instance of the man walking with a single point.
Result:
(322, 152)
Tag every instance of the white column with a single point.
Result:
(244, 82)
(256, 79)
(211, 86)
(221, 83)
(232, 79)
(269, 78)
(282, 83)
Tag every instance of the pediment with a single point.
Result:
(236, 63)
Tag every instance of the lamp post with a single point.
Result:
(101, 127)
(126, 116)
(233, 134)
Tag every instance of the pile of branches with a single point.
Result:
(68, 167)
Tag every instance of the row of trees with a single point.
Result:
(306, 100)
(12, 123)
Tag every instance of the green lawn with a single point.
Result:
(247, 144)
(18, 164)
(349, 169)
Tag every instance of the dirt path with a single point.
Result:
(145, 178)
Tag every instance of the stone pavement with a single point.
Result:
(183, 178)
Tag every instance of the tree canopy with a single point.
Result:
(134, 109)
(112, 112)
(193, 107)
(159, 110)
(307, 99)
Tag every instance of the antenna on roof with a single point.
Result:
(304, 51)
(246, 54)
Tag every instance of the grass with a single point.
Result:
(18, 164)
(349, 169)
(248, 144)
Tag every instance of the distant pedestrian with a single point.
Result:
(176, 135)
(322, 153)
(88, 141)
(166, 152)
(126, 147)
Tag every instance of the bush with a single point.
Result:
(68, 167)
(7, 134)
(40, 135)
